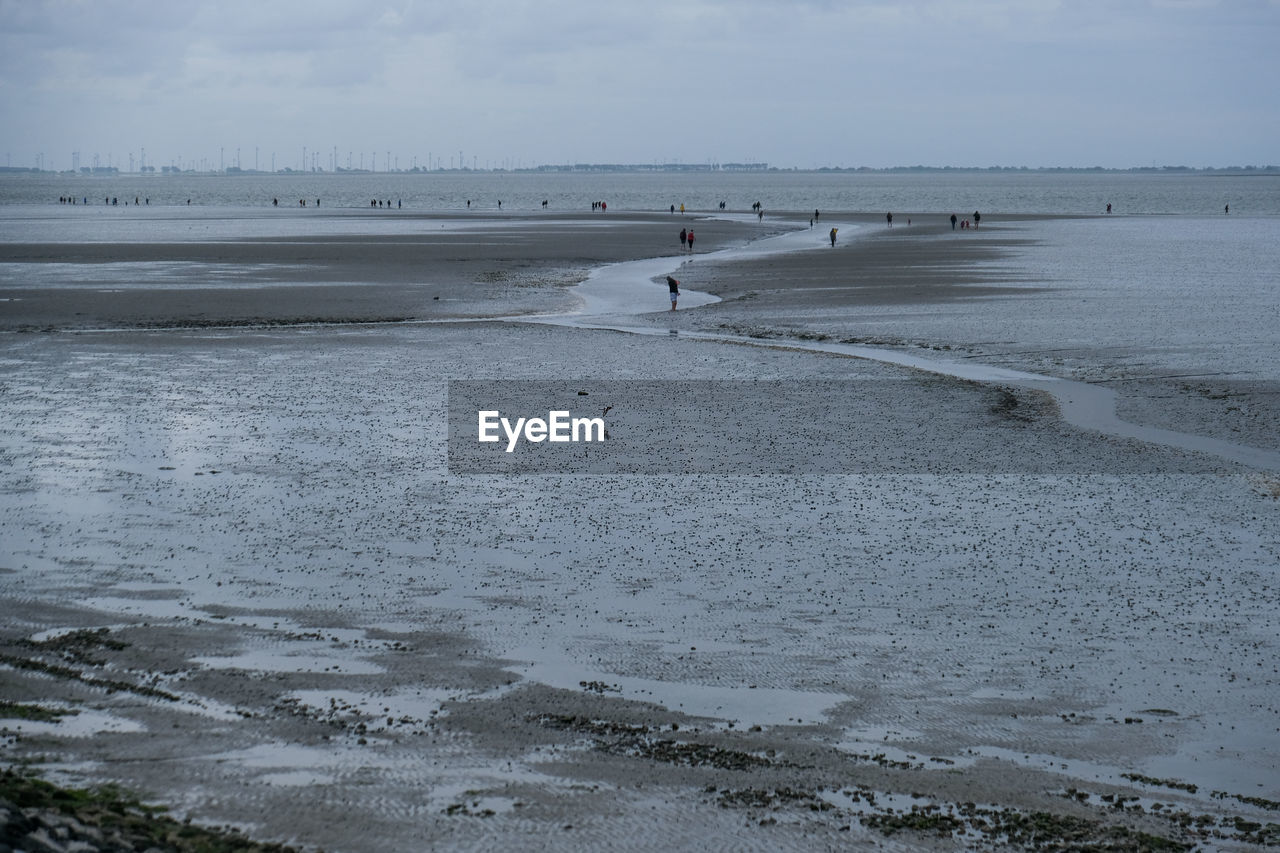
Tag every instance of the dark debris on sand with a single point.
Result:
(39, 817)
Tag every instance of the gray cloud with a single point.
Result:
(804, 84)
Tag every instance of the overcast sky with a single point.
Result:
(801, 83)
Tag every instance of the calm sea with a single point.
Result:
(994, 192)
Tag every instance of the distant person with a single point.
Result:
(690, 239)
(953, 222)
(673, 208)
(682, 208)
(1108, 207)
(815, 215)
(275, 202)
(684, 238)
(673, 288)
(604, 207)
(760, 214)
(977, 218)
(1226, 208)
(833, 238)
(888, 217)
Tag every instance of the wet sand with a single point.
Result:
(237, 555)
(871, 264)
(433, 267)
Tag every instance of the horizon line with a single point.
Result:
(92, 171)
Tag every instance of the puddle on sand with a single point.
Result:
(281, 660)
(745, 706)
(77, 723)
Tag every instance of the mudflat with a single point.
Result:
(423, 267)
(240, 578)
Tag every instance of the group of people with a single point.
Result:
(686, 239)
(302, 202)
(110, 200)
(723, 204)
(977, 217)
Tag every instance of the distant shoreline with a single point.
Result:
(673, 168)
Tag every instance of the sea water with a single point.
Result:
(1149, 295)
(992, 192)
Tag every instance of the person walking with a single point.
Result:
(673, 287)
(977, 217)
(684, 239)
(833, 238)
(691, 240)
(953, 222)
(889, 218)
